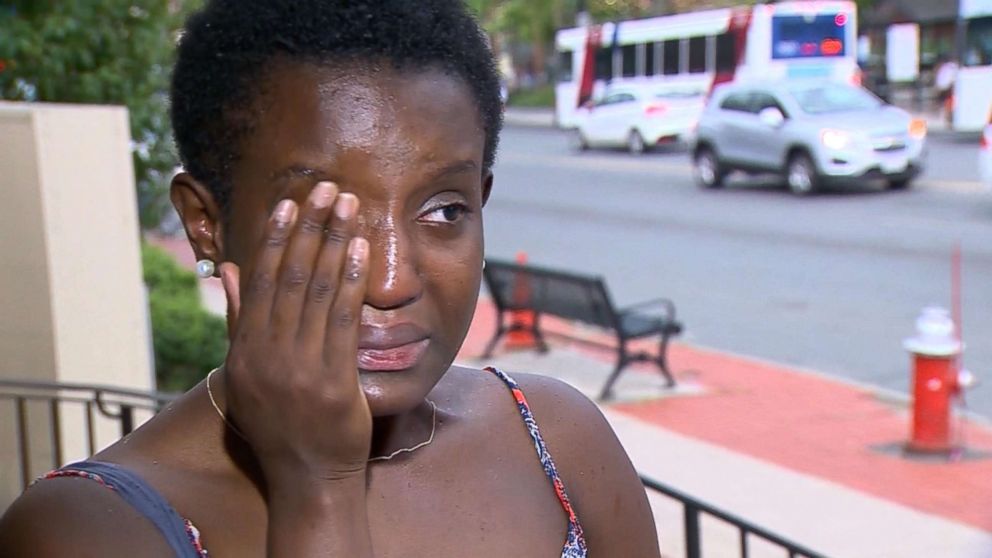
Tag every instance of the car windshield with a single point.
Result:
(833, 98)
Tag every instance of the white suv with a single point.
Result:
(810, 133)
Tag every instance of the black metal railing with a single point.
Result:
(25, 399)
(692, 510)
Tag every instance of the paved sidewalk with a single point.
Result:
(790, 450)
(526, 116)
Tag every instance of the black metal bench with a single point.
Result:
(582, 298)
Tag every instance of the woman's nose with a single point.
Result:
(394, 280)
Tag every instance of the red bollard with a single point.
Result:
(936, 381)
(521, 334)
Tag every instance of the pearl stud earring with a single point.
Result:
(205, 268)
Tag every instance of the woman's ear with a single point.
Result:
(201, 217)
(487, 187)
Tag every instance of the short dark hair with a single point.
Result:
(226, 48)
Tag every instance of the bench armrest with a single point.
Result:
(663, 303)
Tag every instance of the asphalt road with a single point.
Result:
(831, 283)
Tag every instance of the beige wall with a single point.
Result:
(72, 302)
(26, 345)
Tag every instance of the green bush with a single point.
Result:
(541, 96)
(188, 341)
(163, 275)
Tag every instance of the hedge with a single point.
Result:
(188, 341)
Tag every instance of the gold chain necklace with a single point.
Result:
(411, 449)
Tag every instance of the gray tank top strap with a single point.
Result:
(142, 497)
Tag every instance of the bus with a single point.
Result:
(800, 39)
(973, 82)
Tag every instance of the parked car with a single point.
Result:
(809, 132)
(637, 119)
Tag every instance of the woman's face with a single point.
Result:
(409, 145)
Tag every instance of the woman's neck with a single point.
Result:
(405, 430)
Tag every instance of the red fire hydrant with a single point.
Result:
(937, 379)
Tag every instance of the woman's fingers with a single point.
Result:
(230, 277)
(256, 301)
(327, 273)
(341, 343)
(297, 267)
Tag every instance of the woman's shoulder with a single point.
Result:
(595, 470)
(564, 415)
(88, 510)
(87, 517)
(572, 424)
(547, 393)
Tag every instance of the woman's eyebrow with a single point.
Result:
(456, 167)
(303, 171)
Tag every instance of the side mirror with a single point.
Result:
(772, 117)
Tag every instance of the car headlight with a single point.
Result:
(835, 139)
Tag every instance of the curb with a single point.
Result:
(529, 117)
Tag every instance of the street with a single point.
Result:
(832, 283)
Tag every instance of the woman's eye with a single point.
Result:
(445, 214)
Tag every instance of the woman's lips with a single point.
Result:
(392, 359)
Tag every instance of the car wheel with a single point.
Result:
(800, 174)
(706, 169)
(635, 142)
(578, 141)
(899, 184)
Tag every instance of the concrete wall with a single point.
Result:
(72, 302)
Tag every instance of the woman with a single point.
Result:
(338, 156)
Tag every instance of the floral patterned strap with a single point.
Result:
(575, 543)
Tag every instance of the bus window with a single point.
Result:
(807, 37)
(628, 57)
(726, 53)
(649, 58)
(604, 63)
(672, 57)
(697, 55)
(565, 66)
(978, 42)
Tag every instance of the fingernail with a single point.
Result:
(344, 208)
(284, 211)
(323, 194)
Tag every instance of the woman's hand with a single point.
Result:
(291, 375)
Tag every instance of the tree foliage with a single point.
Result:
(534, 22)
(100, 52)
